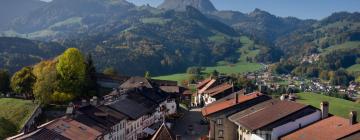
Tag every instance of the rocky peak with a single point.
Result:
(204, 6)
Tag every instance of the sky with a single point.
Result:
(304, 9)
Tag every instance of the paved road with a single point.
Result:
(193, 118)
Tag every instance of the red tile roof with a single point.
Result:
(269, 114)
(207, 86)
(203, 83)
(328, 129)
(218, 89)
(72, 129)
(187, 92)
(221, 105)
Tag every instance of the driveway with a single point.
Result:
(190, 121)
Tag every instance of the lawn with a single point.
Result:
(174, 77)
(242, 66)
(346, 45)
(159, 21)
(13, 115)
(354, 68)
(338, 106)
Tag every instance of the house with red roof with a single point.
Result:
(331, 128)
(61, 129)
(217, 113)
(212, 89)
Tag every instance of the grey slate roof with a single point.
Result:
(99, 119)
(133, 105)
(136, 82)
(155, 95)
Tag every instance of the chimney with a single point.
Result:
(324, 106)
(178, 137)
(83, 103)
(94, 101)
(236, 98)
(353, 117)
(70, 110)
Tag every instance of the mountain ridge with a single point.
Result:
(204, 6)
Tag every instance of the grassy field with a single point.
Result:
(174, 77)
(349, 44)
(338, 106)
(159, 21)
(13, 114)
(242, 66)
(354, 68)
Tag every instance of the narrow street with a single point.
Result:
(190, 120)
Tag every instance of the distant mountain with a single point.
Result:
(204, 6)
(187, 33)
(261, 25)
(11, 9)
(147, 40)
(335, 29)
(70, 15)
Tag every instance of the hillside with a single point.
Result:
(338, 106)
(18, 8)
(333, 30)
(335, 40)
(60, 18)
(161, 43)
(16, 53)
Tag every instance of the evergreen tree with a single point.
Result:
(4, 81)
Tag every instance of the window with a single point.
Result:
(221, 133)
(219, 121)
(268, 136)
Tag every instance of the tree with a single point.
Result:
(91, 86)
(110, 71)
(340, 77)
(324, 75)
(4, 81)
(215, 73)
(71, 69)
(147, 75)
(23, 81)
(46, 81)
(194, 70)
(358, 61)
(358, 79)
